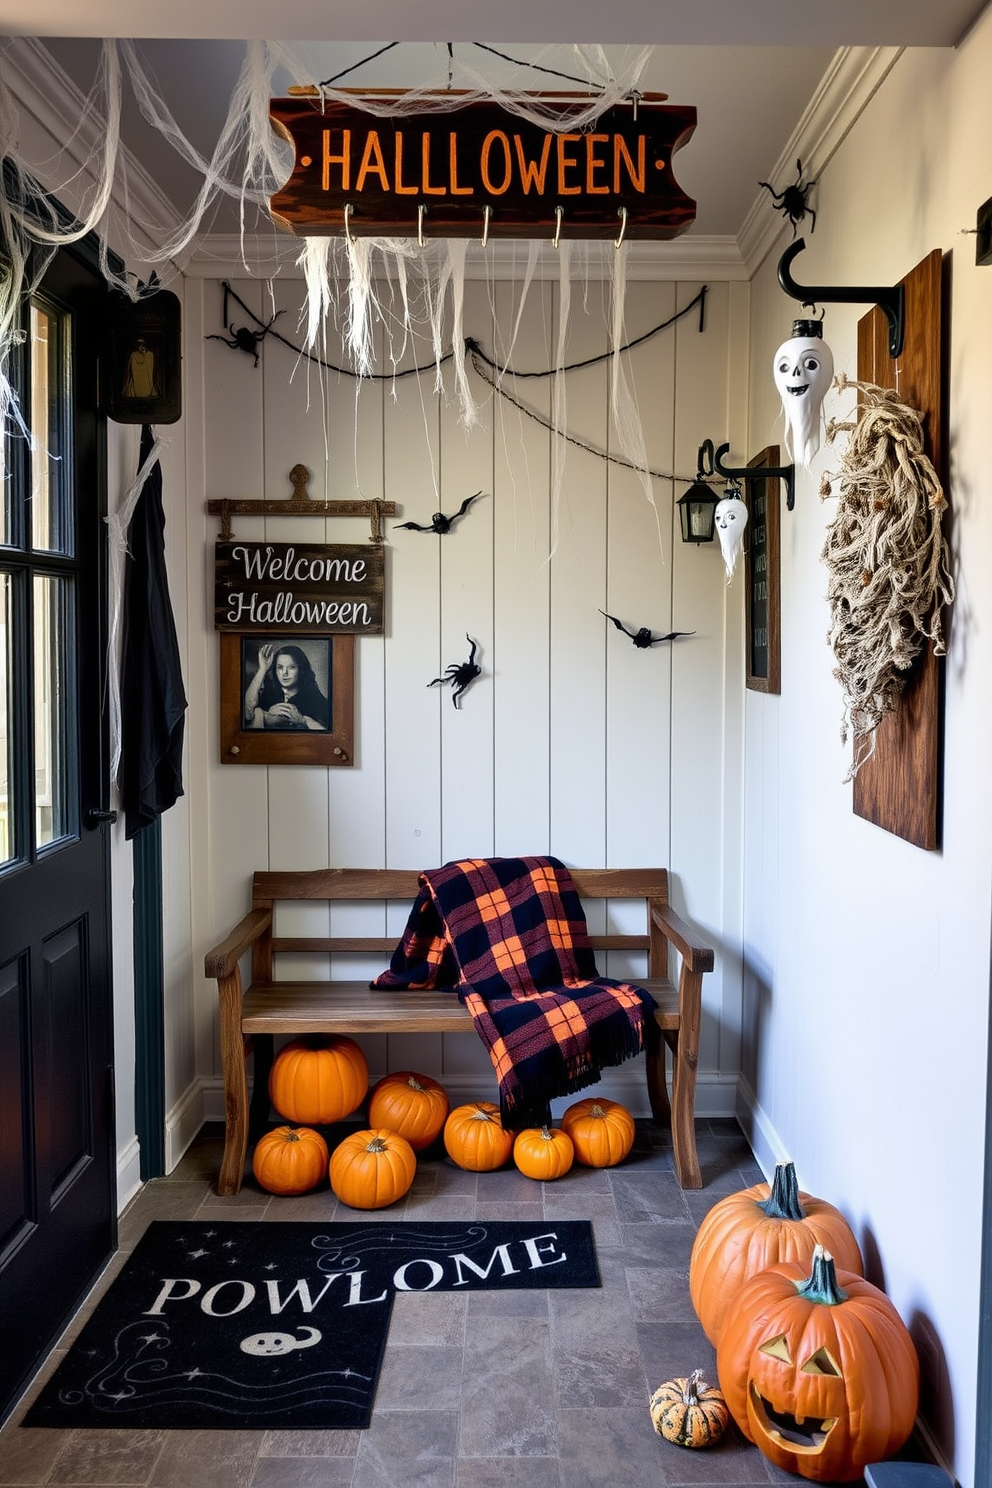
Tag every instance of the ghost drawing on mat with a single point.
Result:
(803, 368)
(731, 519)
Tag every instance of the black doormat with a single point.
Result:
(235, 1326)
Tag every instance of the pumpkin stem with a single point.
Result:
(376, 1145)
(481, 1116)
(783, 1198)
(546, 1135)
(292, 1135)
(414, 1083)
(596, 1111)
(691, 1392)
(821, 1284)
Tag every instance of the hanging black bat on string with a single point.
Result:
(440, 523)
(460, 674)
(643, 638)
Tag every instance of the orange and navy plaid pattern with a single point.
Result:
(509, 935)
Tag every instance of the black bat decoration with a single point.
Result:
(440, 523)
(643, 638)
(460, 674)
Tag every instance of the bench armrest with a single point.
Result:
(221, 961)
(696, 955)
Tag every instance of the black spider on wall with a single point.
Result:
(793, 201)
(244, 338)
(460, 673)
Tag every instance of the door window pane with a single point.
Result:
(48, 475)
(51, 710)
(6, 803)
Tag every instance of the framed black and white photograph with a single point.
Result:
(287, 700)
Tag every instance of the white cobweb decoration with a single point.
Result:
(249, 162)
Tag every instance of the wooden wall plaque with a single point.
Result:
(479, 170)
(898, 788)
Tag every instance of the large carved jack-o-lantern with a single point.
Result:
(818, 1371)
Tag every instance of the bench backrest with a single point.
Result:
(388, 885)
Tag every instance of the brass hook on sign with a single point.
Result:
(891, 299)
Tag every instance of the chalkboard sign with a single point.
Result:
(761, 577)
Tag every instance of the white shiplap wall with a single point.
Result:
(567, 742)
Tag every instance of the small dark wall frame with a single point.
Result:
(244, 741)
(762, 598)
(141, 359)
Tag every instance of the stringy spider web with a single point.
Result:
(888, 560)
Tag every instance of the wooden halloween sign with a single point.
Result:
(481, 171)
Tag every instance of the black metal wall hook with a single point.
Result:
(891, 298)
(786, 473)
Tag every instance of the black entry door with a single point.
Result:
(57, 1167)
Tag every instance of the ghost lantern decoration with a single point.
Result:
(803, 369)
(731, 519)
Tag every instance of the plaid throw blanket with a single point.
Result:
(509, 935)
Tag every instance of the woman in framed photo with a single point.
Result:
(284, 692)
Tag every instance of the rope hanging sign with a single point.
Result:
(476, 170)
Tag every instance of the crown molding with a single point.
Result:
(75, 138)
(847, 87)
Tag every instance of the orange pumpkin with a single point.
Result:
(819, 1370)
(476, 1139)
(755, 1228)
(543, 1152)
(413, 1105)
(602, 1132)
(290, 1160)
(373, 1168)
(318, 1080)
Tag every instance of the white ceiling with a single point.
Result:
(749, 66)
(671, 22)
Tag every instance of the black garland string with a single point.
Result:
(479, 363)
(483, 365)
(471, 346)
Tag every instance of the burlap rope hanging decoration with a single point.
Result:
(887, 558)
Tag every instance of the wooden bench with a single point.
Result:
(248, 1019)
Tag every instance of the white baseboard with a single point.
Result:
(186, 1117)
(766, 1144)
(128, 1173)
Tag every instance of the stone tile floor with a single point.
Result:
(517, 1390)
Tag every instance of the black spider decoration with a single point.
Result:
(439, 523)
(793, 201)
(245, 339)
(643, 638)
(460, 673)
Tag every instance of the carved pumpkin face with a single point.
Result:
(818, 1371)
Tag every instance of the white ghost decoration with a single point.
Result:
(803, 369)
(731, 519)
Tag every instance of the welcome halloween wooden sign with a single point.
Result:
(481, 171)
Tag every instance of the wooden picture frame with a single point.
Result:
(245, 739)
(762, 595)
